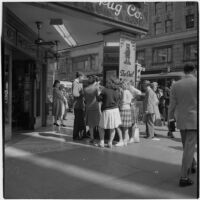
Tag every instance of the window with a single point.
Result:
(158, 28)
(162, 55)
(189, 21)
(190, 3)
(140, 57)
(85, 63)
(168, 26)
(94, 62)
(158, 8)
(190, 51)
(169, 6)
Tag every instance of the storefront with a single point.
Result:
(23, 78)
(29, 71)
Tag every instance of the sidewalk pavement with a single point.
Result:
(46, 164)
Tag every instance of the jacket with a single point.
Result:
(183, 103)
(150, 101)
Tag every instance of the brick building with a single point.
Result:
(172, 39)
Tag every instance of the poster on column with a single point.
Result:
(127, 59)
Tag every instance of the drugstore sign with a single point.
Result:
(118, 12)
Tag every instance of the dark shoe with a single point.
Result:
(193, 170)
(185, 182)
(63, 125)
(56, 124)
(170, 134)
(85, 136)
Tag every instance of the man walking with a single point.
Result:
(183, 108)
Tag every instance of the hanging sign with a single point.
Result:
(123, 13)
(127, 59)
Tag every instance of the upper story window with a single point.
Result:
(189, 21)
(140, 57)
(190, 51)
(168, 26)
(190, 3)
(162, 55)
(158, 8)
(158, 28)
(169, 6)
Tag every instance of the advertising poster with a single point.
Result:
(127, 59)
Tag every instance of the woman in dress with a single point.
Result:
(65, 104)
(92, 106)
(110, 117)
(58, 103)
(125, 111)
(134, 110)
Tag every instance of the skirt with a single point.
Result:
(92, 117)
(110, 119)
(126, 118)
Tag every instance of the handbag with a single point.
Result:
(136, 134)
(172, 126)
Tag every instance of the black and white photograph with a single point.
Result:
(100, 99)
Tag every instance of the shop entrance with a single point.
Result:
(22, 93)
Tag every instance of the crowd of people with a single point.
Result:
(112, 108)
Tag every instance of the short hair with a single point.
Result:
(55, 82)
(78, 74)
(189, 67)
(97, 79)
(91, 79)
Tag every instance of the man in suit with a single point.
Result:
(183, 108)
(79, 130)
(149, 110)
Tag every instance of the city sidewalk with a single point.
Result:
(46, 164)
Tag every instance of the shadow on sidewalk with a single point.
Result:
(91, 173)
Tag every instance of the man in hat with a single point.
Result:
(183, 108)
(149, 109)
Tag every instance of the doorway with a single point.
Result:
(22, 94)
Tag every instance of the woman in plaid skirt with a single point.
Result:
(134, 110)
(125, 111)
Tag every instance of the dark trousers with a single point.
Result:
(150, 125)
(189, 140)
(79, 124)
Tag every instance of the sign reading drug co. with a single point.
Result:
(120, 13)
(132, 11)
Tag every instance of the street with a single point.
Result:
(46, 164)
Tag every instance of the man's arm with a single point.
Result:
(135, 91)
(172, 104)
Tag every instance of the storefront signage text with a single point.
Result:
(127, 73)
(117, 7)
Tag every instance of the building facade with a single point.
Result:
(85, 58)
(24, 77)
(172, 38)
